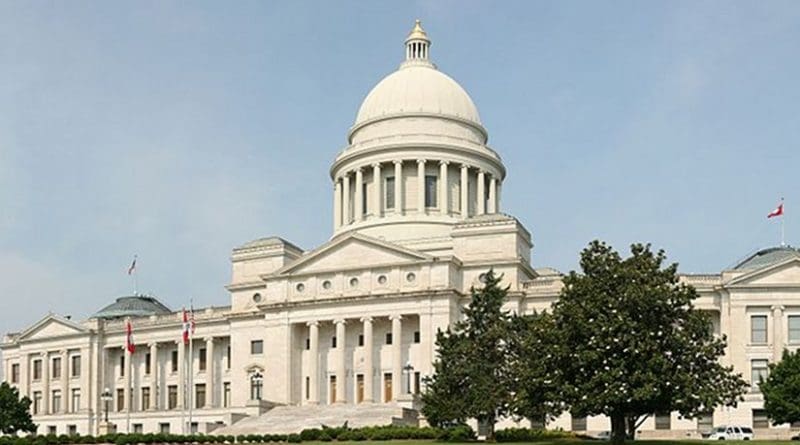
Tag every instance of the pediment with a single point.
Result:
(786, 273)
(350, 252)
(52, 326)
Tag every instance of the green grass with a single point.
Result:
(565, 442)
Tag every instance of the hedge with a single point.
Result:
(531, 435)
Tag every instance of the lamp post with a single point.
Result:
(106, 398)
(408, 369)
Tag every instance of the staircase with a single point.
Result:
(293, 419)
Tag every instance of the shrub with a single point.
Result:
(293, 438)
(310, 434)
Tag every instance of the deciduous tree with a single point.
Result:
(781, 389)
(15, 413)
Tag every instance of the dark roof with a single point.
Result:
(767, 257)
(133, 306)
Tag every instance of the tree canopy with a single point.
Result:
(15, 413)
(781, 389)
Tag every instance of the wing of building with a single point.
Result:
(346, 330)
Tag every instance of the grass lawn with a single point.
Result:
(564, 442)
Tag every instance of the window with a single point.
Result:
(145, 398)
(760, 419)
(430, 191)
(55, 373)
(388, 338)
(193, 427)
(705, 422)
(76, 400)
(758, 370)
(173, 361)
(578, 423)
(37, 402)
(308, 344)
(37, 369)
(359, 388)
(360, 339)
(138, 428)
(663, 421)
(15, 373)
(417, 378)
(758, 329)
(147, 364)
(75, 366)
(308, 388)
(257, 347)
(416, 336)
(163, 428)
(256, 386)
(202, 359)
(122, 365)
(794, 328)
(172, 396)
(226, 394)
(72, 430)
(332, 388)
(52, 430)
(389, 192)
(228, 357)
(364, 197)
(200, 395)
(120, 399)
(333, 342)
(55, 407)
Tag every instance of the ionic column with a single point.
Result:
(464, 189)
(341, 367)
(24, 376)
(154, 375)
(337, 204)
(481, 192)
(443, 195)
(313, 362)
(377, 190)
(398, 187)
(421, 186)
(210, 373)
(492, 194)
(359, 195)
(397, 356)
(777, 333)
(368, 396)
(46, 383)
(346, 199)
(181, 374)
(64, 382)
(499, 189)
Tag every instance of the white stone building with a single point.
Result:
(416, 220)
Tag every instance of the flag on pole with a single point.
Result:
(133, 266)
(777, 212)
(129, 345)
(186, 327)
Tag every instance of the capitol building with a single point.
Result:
(346, 330)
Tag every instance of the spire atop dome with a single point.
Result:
(417, 44)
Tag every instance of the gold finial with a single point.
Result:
(417, 32)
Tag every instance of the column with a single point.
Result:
(777, 333)
(346, 199)
(499, 188)
(368, 361)
(421, 186)
(24, 376)
(444, 200)
(359, 195)
(181, 374)
(337, 204)
(210, 373)
(397, 356)
(377, 194)
(128, 379)
(154, 375)
(45, 383)
(481, 209)
(65, 399)
(464, 189)
(492, 194)
(313, 362)
(341, 367)
(398, 187)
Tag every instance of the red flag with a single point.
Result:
(129, 337)
(777, 212)
(133, 266)
(186, 327)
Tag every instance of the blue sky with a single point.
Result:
(177, 130)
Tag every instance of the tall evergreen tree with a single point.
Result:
(630, 342)
(472, 373)
(15, 415)
(781, 389)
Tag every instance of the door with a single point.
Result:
(332, 389)
(359, 388)
(387, 387)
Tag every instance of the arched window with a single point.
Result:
(256, 385)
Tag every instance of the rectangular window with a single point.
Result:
(120, 399)
(163, 428)
(145, 398)
(226, 394)
(364, 197)
(52, 430)
(257, 347)
(308, 344)
(359, 388)
(138, 428)
(228, 357)
(76, 400)
(333, 342)
(147, 364)
(759, 369)
(389, 192)
(758, 329)
(760, 419)
(15, 373)
(794, 328)
(416, 336)
(705, 422)
(417, 378)
(75, 366)
(122, 365)
(332, 388)
(360, 339)
(172, 396)
(55, 407)
(55, 373)
(200, 395)
(388, 338)
(37, 402)
(663, 421)
(578, 423)
(308, 388)
(37, 369)
(173, 361)
(430, 191)
(72, 430)
(202, 359)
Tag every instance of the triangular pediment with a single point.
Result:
(51, 326)
(352, 251)
(785, 273)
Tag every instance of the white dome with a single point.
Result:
(417, 88)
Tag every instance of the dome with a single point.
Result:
(417, 88)
(134, 306)
(766, 257)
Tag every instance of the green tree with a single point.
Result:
(15, 413)
(781, 389)
(630, 342)
(472, 374)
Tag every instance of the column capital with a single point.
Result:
(339, 321)
(153, 344)
(421, 161)
(397, 162)
(444, 162)
(465, 166)
(43, 354)
(209, 339)
(63, 351)
(312, 323)
(395, 317)
(376, 165)
(482, 171)
(359, 169)
(366, 319)
(778, 307)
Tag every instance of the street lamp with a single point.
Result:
(106, 398)
(408, 369)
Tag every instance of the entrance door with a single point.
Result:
(359, 388)
(387, 387)
(333, 389)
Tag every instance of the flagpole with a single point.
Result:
(783, 217)
(191, 362)
(130, 393)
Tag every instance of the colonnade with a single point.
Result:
(350, 204)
